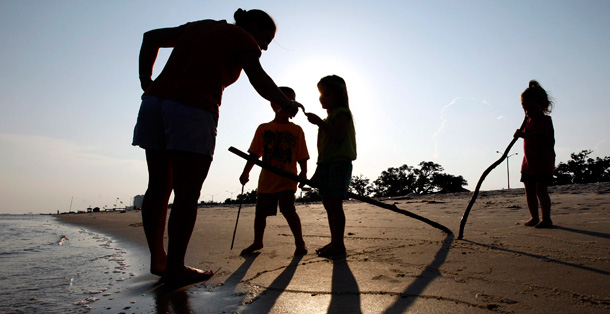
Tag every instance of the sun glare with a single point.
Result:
(304, 75)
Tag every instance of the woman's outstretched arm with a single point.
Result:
(263, 83)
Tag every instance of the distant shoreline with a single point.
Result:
(513, 191)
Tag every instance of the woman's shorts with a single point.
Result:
(167, 125)
(537, 178)
(334, 179)
(267, 203)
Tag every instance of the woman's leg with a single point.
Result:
(189, 172)
(154, 207)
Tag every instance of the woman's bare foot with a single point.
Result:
(532, 222)
(186, 275)
(158, 265)
(157, 272)
(251, 249)
(545, 223)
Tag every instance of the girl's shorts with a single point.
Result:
(167, 125)
(537, 178)
(334, 178)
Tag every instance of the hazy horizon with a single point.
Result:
(428, 81)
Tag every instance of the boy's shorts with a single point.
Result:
(334, 178)
(537, 178)
(167, 125)
(267, 203)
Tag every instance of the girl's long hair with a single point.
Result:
(338, 86)
(535, 94)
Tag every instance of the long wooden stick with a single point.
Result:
(485, 173)
(364, 199)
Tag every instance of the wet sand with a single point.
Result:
(394, 264)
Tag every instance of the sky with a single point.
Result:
(428, 81)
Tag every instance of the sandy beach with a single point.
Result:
(394, 264)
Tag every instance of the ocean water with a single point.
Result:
(50, 267)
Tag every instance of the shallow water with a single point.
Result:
(50, 267)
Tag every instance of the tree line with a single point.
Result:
(582, 169)
(425, 178)
(428, 177)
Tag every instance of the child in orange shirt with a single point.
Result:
(280, 143)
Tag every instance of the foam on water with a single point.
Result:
(49, 267)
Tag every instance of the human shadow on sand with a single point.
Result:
(276, 288)
(431, 272)
(345, 293)
(545, 258)
(240, 272)
(585, 232)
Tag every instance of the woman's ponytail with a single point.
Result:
(245, 18)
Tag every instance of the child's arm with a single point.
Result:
(540, 132)
(519, 133)
(533, 136)
(303, 173)
(314, 178)
(337, 131)
(245, 175)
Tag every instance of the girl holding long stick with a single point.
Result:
(539, 153)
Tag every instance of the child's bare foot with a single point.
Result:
(545, 223)
(332, 251)
(251, 249)
(323, 248)
(186, 275)
(532, 222)
(300, 250)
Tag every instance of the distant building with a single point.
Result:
(137, 201)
